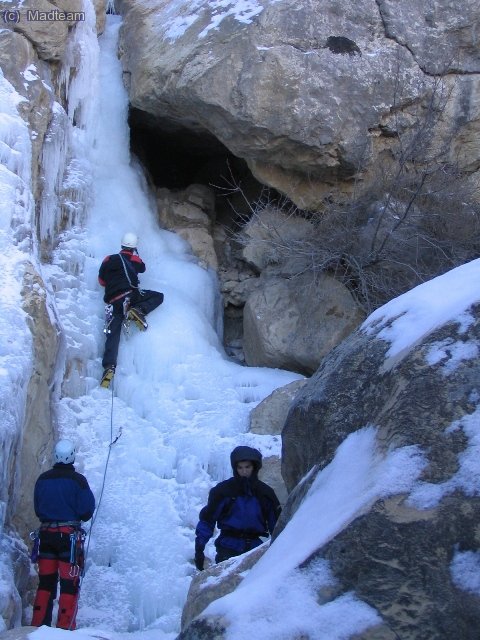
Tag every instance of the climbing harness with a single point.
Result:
(126, 319)
(35, 538)
(108, 318)
(125, 268)
(126, 303)
(77, 553)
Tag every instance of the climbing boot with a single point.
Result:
(138, 318)
(107, 377)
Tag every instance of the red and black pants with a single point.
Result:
(54, 565)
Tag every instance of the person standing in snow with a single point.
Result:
(119, 275)
(243, 508)
(62, 500)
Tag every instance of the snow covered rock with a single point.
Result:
(215, 582)
(412, 371)
(379, 537)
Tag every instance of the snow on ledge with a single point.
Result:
(406, 320)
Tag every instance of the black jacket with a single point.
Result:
(117, 275)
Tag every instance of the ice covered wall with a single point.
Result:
(43, 186)
(181, 404)
(16, 214)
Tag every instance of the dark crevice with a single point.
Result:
(175, 156)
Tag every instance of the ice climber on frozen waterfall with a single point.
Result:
(243, 507)
(124, 299)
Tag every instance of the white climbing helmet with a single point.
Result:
(65, 452)
(130, 240)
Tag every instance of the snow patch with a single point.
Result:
(427, 495)
(408, 319)
(177, 17)
(465, 571)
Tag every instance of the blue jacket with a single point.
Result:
(243, 509)
(63, 495)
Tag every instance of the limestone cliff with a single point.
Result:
(307, 95)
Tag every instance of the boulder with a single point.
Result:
(216, 581)
(191, 214)
(411, 400)
(292, 324)
(302, 95)
(400, 556)
(269, 416)
(409, 553)
(271, 474)
(48, 34)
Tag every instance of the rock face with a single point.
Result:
(191, 214)
(397, 557)
(48, 36)
(403, 554)
(223, 578)
(306, 95)
(38, 432)
(314, 101)
(35, 75)
(292, 324)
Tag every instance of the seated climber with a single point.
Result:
(243, 508)
(125, 300)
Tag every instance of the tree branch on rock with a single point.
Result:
(416, 216)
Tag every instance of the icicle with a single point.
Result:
(16, 213)
(67, 149)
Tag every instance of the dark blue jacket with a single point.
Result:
(243, 509)
(63, 495)
(117, 275)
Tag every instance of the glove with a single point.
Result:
(199, 557)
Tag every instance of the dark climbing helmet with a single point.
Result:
(246, 453)
(130, 240)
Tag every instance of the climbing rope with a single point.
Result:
(94, 517)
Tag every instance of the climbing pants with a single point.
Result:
(145, 302)
(54, 564)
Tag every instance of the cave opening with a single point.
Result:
(176, 156)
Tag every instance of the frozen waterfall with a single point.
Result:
(179, 404)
